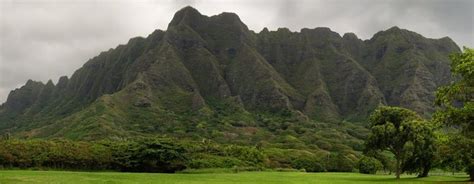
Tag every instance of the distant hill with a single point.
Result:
(213, 78)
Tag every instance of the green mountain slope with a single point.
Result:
(213, 78)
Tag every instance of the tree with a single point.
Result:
(456, 102)
(424, 151)
(451, 152)
(401, 132)
(149, 155)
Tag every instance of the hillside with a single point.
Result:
(213, 78)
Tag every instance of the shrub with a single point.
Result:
(339, 162)
(308, 164)
(214, 162)
(369, 165)
(249, 154)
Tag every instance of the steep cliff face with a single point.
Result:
(316, 62)
(408, 67)
(204, 69)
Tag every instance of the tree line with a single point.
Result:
(154, 154)
(143, 155)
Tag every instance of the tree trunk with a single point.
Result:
(424, 173)
(471, 173)
(426, 170)
(398, 169)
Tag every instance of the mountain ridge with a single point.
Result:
(215, 70)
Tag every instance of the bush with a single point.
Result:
(338, 162)
(248, 154)
(310, 164)
(210, 161)
(369, 165)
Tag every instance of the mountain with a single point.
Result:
(212, 77)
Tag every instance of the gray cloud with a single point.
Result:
(45, 39)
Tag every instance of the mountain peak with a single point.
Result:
(391, 30)
(49, 83)
(447, 41)
(187, 14)
(394, 28)
(31, 82)
(318, 30)
(323, 32)
(447, 44)
(397, 33)
(229, 18)
(283, 29)
(62, 82)
(350, 36)
(189, 9)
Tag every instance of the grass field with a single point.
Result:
(21, 176)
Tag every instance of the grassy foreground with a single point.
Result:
(21, 176)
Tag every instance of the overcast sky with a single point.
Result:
(46, 39)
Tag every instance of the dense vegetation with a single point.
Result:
(147, 155)
(162, 155)
(457, 110)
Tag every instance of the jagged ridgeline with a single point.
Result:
(212, 77)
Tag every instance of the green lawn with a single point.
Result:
(20, 176)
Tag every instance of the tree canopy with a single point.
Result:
(456, 102)
(403, 133)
